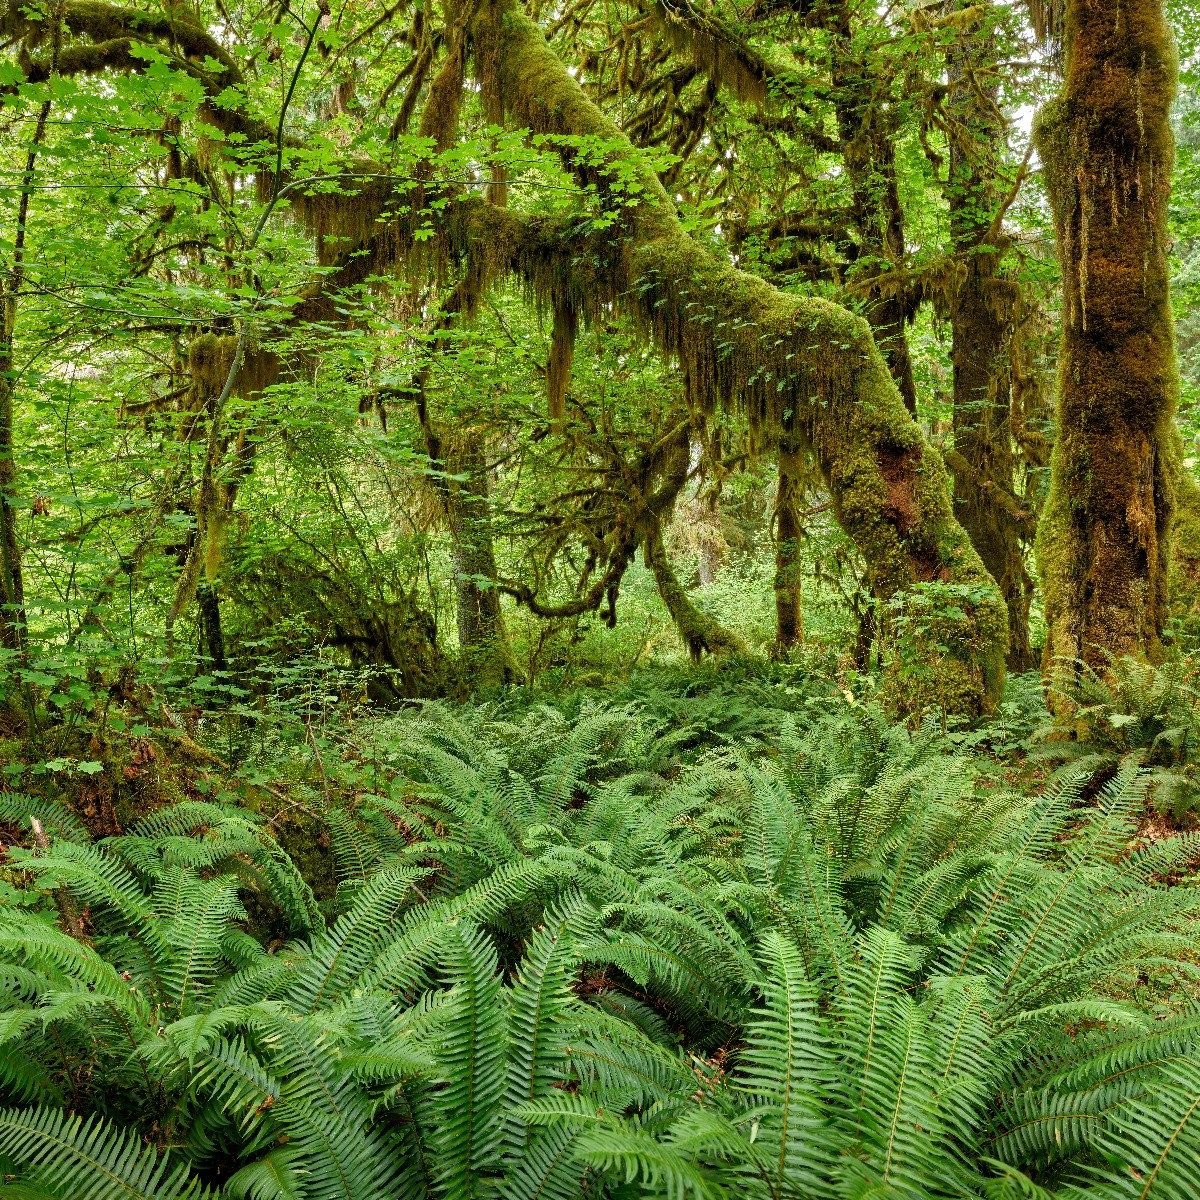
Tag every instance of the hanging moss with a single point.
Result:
(781, 358)
(1107, 150)
(210, 358)
(715, 49)
(104, 37)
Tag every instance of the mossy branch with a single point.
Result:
(779, 357)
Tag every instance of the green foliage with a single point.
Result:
(1144, 712)
(584, 955)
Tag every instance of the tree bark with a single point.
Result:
(1107, 148)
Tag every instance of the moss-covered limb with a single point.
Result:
(865, 141)
(789, 612)
(101, 37)
(642, 499)
(737, 339)
(1107, 151)
(701, 633)
(101, 22)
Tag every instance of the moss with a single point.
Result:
(781, 358)
(1106, 143)
(102, 37)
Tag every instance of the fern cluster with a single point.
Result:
(570, 957)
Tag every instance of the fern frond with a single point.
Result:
(72, 1157)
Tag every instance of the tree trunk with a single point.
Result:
(12, 592)
(212, 636)
(981, 323)
(1185, 558)
(482, 637)
(789, 615)
(1107, 148)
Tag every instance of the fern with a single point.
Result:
(66, 1156)
(588, 953)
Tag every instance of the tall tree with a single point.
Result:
(1106, 144)
(983, 311)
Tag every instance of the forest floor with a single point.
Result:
(728, 928)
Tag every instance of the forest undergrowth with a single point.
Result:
(715, 932)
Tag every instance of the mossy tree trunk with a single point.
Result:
(701, 633)
(12, 597)
(981, 323)
(789, 613)
(1107, 149)
(779, 356)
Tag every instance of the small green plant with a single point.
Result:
(1148, 713)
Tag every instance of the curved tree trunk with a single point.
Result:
(1107, 148)
(778, 355)
(982, 326)
(701, 633)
